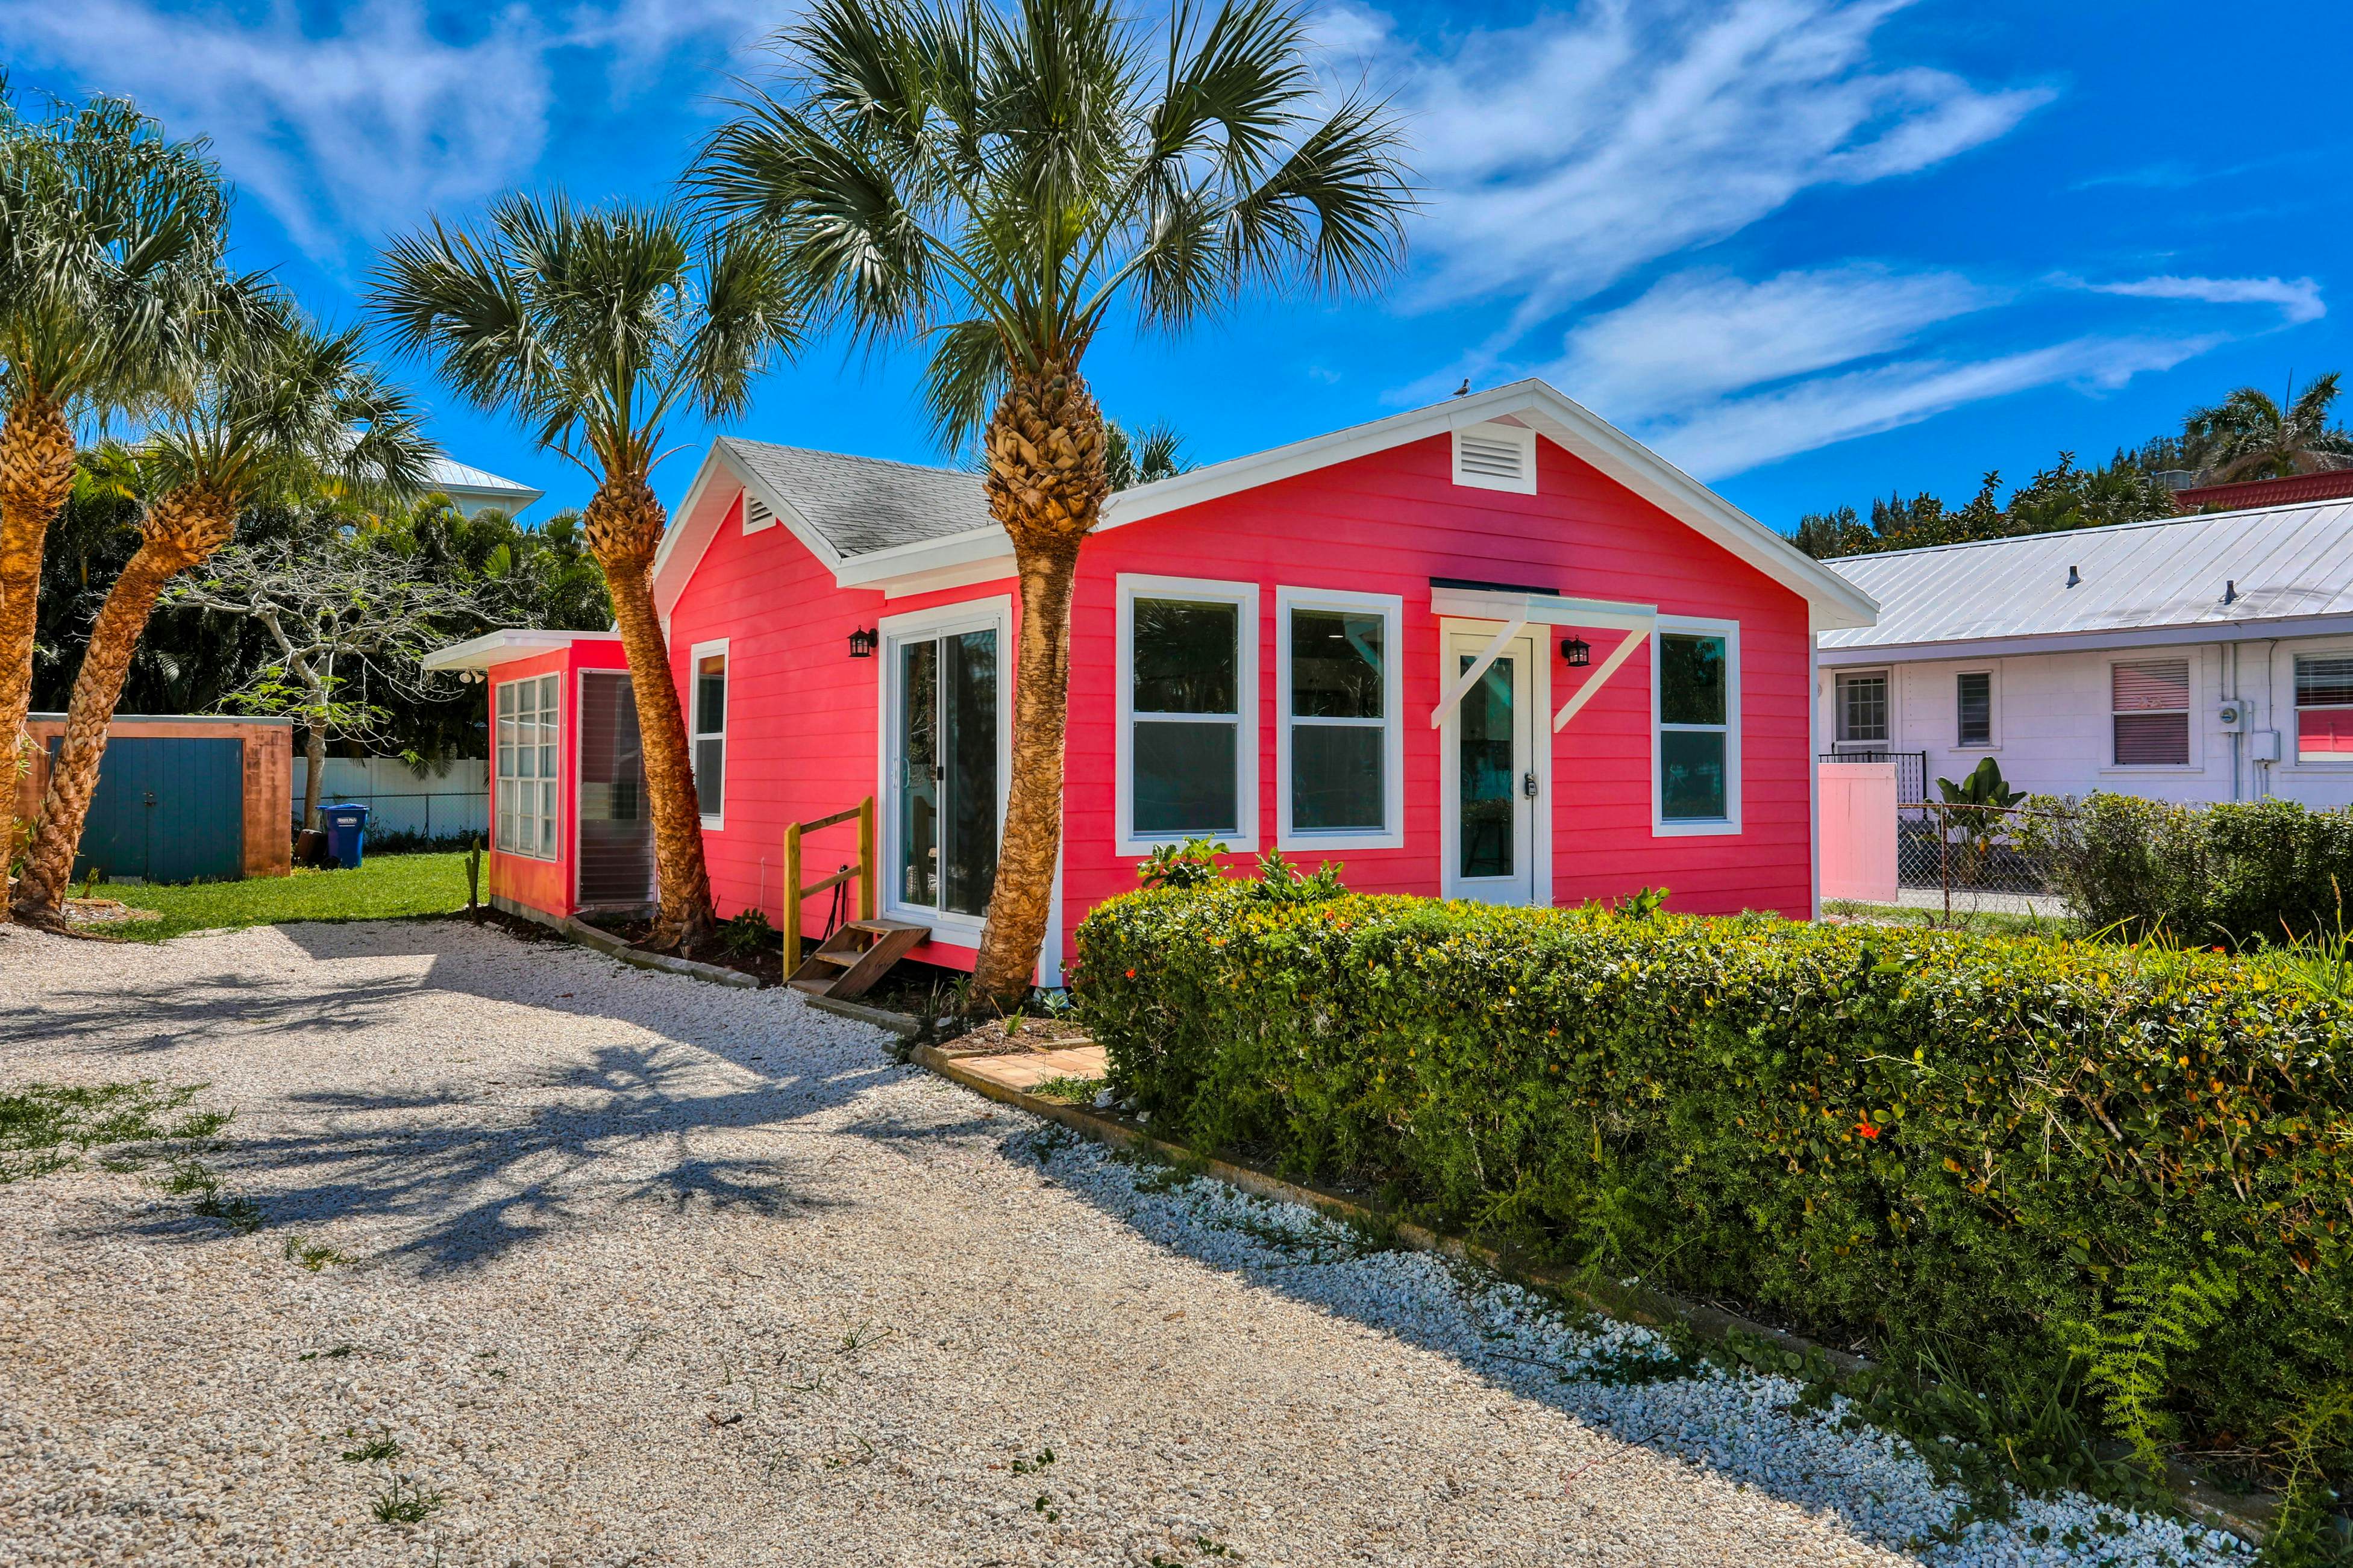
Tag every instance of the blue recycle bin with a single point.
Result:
(346, 833)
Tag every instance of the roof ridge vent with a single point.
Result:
(1495, 457)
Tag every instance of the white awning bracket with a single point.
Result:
(1477, 667)
(1594, 683)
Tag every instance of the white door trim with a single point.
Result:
(1534, 737)
(949, 929)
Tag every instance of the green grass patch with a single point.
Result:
(48, 1127)
(1070, 1090)
(1988, 923)
(387, 886)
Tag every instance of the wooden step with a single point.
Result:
(859, 953)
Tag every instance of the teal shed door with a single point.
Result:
(168, 809)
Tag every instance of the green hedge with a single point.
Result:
(2244, 870)
(2003, 1151)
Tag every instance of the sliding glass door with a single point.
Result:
(944, 771)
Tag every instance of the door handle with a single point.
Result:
(1528, 785)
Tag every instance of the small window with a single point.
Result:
(711, 731)
(1696, 720)
(1340, 741)
(527, 770)
(1496, 457)
(1862, 709)
(2324, 710)
(2150, 707)
(1973, 698)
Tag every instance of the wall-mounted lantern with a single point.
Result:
(862, 643)
(1577, 651)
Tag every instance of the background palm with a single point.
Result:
(110, 240)
(2249, 436)
(594, 327)
(997, 184)
(282, 411)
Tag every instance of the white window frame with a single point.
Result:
(1519, 436)
(2289, 742)
(1661, 827)
(2197, 685)
(1839, 739)
(1248, 699)
(1390, 607)
(695, 733)
(1992, 672)
(555, 714)
(995, 615)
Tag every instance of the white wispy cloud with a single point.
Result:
(1563, 155)
(2298, 298)
(347, 125)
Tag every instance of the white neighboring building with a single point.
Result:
(2200, 659)
(473, 489)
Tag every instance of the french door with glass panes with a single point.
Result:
(945, 772)
(1488, 773)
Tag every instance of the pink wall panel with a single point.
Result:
(1858, 831)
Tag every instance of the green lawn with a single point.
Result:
(384, 888)
(1991, 923)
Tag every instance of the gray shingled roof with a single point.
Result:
(863, 504)
(2274, 562)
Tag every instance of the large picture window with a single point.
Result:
(1187, 672)
(2324, 710)
(527, 711)
(1342, 744)
(710, 713)
(1698, 695)
(2150, 710)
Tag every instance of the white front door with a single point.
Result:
(945, 772)
(1488, 773)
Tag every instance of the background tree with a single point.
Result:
(594, 327)
(111, 239)
(1133, 457)
(282, 408)
(996, 184)
(2249, 436)
(346, 628)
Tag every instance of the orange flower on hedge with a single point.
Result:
(1866, 1128)
(1131, 974)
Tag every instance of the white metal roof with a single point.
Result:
(2267, 571)
(448, 474)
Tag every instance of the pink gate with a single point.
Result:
(1857, 832)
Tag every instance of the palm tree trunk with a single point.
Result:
(36, 458)
(624, 526)
(1046, 485)
(180, 529)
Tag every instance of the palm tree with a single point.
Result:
(999, 184)
(594, 327)
(284, 411)
(111, 239)
(1133, 457)
(2249, 436)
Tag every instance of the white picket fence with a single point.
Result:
(455, 799)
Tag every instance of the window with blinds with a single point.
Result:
(1973, 699)
(2324, 710)
(2149, 703)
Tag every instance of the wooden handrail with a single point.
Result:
(863, 871)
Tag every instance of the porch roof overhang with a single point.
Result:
(1516, 609)
(505, 645)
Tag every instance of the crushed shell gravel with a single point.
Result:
(642, 1271)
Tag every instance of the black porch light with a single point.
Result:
(862, 643)
(1577, 651)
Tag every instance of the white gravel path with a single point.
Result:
(647, 1271)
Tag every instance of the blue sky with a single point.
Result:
(1814, 251)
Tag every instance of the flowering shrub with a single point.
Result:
(2006, 1151)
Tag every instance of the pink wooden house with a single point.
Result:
(1491, 649)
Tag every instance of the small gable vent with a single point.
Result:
(756, 515)
(1496, 457)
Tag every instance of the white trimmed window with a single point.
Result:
(1695, 690)
(1188, 707)
(527, 711)
(2149, 710)
(709, 662)
(1974, 700)
(2324, 710)
(1340, 748)
(1862, 709)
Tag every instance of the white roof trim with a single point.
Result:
(2097, 637)
(505, 645)
(696, 522)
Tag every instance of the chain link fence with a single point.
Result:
(1972, 859)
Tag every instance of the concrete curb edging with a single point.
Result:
(612, 946)
(2248, 1517)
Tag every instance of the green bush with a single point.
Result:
(2051, 1159)
(2242, 872)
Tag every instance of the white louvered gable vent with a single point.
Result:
(1496, 457)
(756, 515)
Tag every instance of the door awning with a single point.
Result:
(1517, 609)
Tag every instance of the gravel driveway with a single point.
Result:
(643, 1271)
